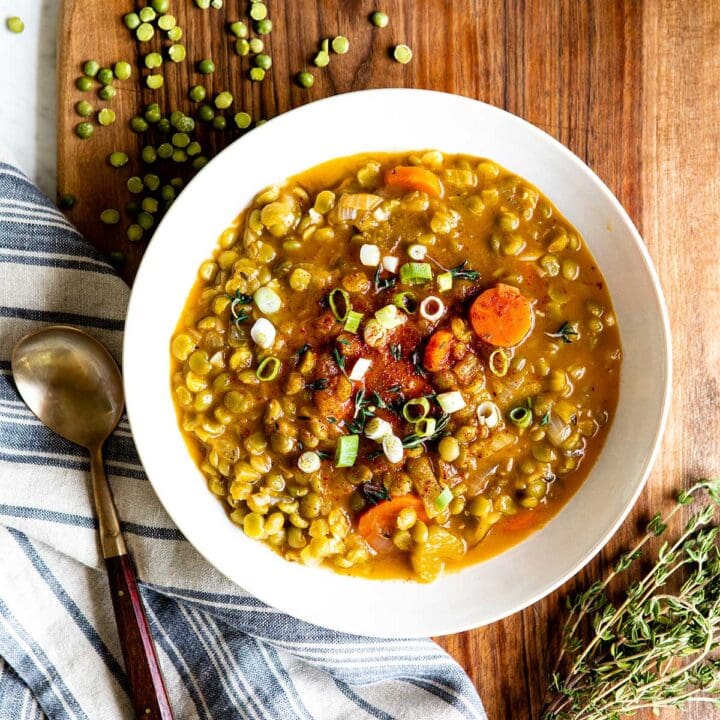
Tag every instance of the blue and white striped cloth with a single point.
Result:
(225, 654)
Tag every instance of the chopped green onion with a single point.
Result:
(415, 273)
(361, 366)
(499, 362)
(352, 322)
(444, 281)
(377, 429)
(339, 301)
(443, 499)
(406, 301)
(451, 401)
(268, 369)
(393, 448)
(416, 409)
(488, 414)
(389, 317)
(521, 416)
(425, 427)
(432, 308)
(267, 300)
(263, 333)
(416, 251)
(346, 450)
(370, 255)
(390, 263)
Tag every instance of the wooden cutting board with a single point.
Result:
(632, 87)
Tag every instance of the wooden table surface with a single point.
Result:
(631, 87)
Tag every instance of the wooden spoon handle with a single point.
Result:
(147, 688)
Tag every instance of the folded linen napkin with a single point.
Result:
(223, 652)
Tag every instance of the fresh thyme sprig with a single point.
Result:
(656, 647)
(362, 413)
(462, 272)
(566, 332)
(382, 283)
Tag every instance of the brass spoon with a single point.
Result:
(71, 382)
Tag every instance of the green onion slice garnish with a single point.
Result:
(521, 416)
(445, 281)
(499, 362)
(406, 301)
(389, 317)
(415, 273)
(425, 427)
(339, 303)
(416, 409)
(346, 450)
(268, 369)
(352, 321)
(443, 499)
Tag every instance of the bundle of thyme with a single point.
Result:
(655, 646)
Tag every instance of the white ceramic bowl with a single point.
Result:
(388, 120)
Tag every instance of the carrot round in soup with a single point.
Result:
(414, 178)
(438, 352)
(502, 316)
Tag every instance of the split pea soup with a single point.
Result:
(396, 364)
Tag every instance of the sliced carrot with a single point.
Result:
(414, 178)
(438, 352)
(521, 521)
(502, 316)
(377, 524)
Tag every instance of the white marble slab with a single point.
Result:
(28, 89)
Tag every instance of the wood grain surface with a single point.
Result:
(631, 87)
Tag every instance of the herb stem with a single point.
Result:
(656, 648)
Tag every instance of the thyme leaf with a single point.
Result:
(461, 272)
(416, 360)
(655, 644)
(361, 414)
(373, 492)
(383, 283)
(566, 332)
(339, 360)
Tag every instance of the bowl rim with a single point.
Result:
(447, 626)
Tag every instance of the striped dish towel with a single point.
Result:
(225, 654)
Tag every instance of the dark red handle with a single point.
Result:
(147, 687)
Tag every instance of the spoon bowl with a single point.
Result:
(71, 382)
